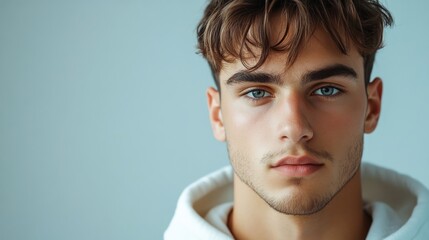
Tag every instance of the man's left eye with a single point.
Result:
(327, 91)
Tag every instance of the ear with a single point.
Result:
(374, 90)
(215, 114)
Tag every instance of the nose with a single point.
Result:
(293, 116)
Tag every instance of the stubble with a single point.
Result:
(298, 203)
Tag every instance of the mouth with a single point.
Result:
(293, 166)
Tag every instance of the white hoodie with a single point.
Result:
(398, 204)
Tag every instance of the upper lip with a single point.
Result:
(296, 160)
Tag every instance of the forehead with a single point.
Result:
(319, 51)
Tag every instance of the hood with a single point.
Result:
(399, 206)
(196, 200)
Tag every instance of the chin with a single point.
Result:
(297, 202)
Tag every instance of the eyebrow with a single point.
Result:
(329, 71)
(313, 75)
(254, 77)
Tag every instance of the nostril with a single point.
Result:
(296, 133)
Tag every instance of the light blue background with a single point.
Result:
(103, 116)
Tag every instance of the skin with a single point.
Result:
(324, 118)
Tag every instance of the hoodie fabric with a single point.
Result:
(398, 204)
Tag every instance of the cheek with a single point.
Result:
(245, 126)
(340, 125)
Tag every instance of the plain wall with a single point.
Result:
(103, 117)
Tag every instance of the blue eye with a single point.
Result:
(327, 91)
(257, 94)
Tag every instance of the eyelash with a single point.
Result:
(253, 99)
(338, 93)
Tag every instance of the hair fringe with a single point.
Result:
(237, 29)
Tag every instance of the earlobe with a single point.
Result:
(375, 91)
(215, 114)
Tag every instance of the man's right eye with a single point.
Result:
(257, 94)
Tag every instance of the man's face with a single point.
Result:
(295, 134)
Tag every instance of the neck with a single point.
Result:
(342, 218)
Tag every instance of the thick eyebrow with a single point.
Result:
(329, 71)
(313, 75)
(254, 77)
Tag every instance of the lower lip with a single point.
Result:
(298, 170)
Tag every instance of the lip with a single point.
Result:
(293, 166)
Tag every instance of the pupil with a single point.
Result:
(327, 91)
(258, 94)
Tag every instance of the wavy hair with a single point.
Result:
(233, 29)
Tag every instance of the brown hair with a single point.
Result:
(232, 29)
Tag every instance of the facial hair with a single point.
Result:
(299, 203)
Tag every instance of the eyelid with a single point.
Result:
(256, 88)
(248, 91)
(339, 89)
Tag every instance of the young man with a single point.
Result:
(293, 101)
